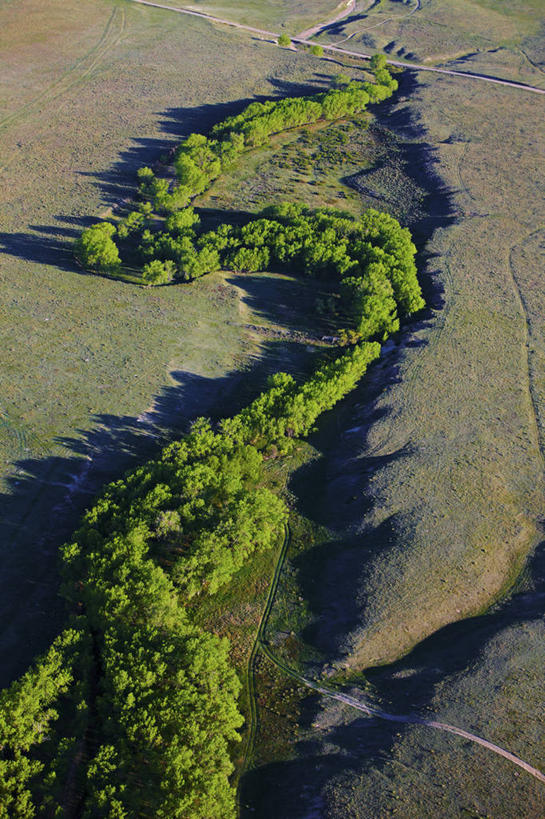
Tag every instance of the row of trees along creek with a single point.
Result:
(133, 710)
(370, 259)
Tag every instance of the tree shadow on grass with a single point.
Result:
(46, 496)
(118, 182)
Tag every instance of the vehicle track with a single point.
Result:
(344, 52)
(109, 39)
(534, 413)
(261, 644)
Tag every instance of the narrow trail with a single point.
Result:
(348, 8)
(535, 420)
(261, 644)
(415, 8)
(342, 51)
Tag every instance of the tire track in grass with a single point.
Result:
(534, 413)
(361, 704)
(80, 71)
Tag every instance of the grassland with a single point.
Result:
(480, 36)
(431, 493)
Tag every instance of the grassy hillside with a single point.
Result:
(433, 493)
(487, 36)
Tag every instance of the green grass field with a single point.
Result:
(424, 494)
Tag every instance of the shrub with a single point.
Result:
(158, 272)
(97, 250)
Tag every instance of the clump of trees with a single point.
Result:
(96, 249)
(372, 258)
(35, 751)
(200, 159)
(165, 705)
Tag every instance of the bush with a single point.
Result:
(158, 272)
(284, 41)
(317, 50)
(97, 250)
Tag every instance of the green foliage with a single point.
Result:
(284, 41)
(248, 259)
(198, 161)
(157, 272)
(134, 222)
(378, 61)
(373, 258)
(29, 710)
(317, 50)
(182, 221)
(97, 250)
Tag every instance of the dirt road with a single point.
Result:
(348, 8)
(342, 51)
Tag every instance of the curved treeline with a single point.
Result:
(133, 710)
(164, 706)
(200, 159)
(372, 258)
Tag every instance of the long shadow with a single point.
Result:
(118, 182)
(47, 496)
(334, 491)
(457, 646)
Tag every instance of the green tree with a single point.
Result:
(284, 41)
(134, 222)
(158, 272)
(317, 50)
(377, 62)
(97, 250)
(183, 221)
